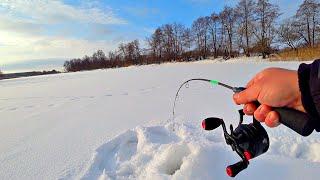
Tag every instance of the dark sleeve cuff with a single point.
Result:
(305, 75)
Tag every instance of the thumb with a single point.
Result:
(246, 96)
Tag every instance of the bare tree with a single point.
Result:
(308, 20)
(168, 41)
(228, 18)
(155, 42)
(178, 40)
(113, 58)
(266, 14)
(289, 34)
(187, 39)
(245, 12)
(130, 52)
(222, 38)
(213, 26)
(86, 62)
(136, 53)
(99, 59)
(187, 43)
(200, 30)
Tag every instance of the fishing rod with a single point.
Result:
(250, 140)
(212, 82)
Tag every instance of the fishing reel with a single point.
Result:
(248, 140)
(251, 140)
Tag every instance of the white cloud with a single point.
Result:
(52, 11)
(16, 47)
(25, 29)
(18, 26)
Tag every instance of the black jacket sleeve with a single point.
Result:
(309, 84)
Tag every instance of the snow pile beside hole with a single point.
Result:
(185, 151)
(156, 153)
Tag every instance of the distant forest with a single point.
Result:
(252, 27)
(26, 74)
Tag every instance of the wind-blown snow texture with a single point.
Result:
(117, 124)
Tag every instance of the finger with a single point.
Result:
(261, 113)
(253, 80)
(272, 119)
(246, 96)
(249, 108)
(250, 83)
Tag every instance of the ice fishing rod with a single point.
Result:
(250, 140)
(295, 120)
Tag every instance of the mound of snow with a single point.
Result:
(155, 152)
(184, 151)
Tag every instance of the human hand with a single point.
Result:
(272, 87)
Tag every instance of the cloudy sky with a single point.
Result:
(46, 29)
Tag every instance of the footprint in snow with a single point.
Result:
(13, 109)
(29, 106)
(147, 90)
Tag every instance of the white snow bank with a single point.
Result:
(156, 152)
(161, 152)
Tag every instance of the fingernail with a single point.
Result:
(262, 110)
(249, 109)
(272, 116)
(260, 113)
(269, 116)
(274, 122)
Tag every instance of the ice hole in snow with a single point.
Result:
(171, 160)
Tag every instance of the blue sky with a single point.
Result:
(63, 29)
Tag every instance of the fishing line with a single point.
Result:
(212, 82)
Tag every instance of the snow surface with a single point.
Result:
(117, 124)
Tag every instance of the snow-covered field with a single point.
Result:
(117, 124)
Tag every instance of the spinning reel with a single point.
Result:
(251, 140)
(248, 140)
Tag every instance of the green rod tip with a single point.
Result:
(214, 82)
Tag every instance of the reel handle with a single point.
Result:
(235, 169)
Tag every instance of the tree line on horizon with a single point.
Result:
(252, 27)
